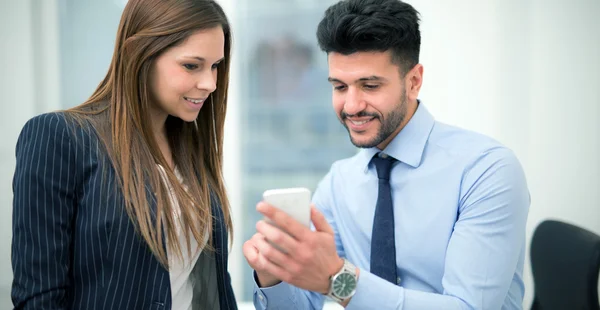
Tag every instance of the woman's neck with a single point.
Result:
(159, 118)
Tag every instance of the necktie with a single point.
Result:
(383, 244)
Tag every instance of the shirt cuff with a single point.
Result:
(278, 296)
(373, 292)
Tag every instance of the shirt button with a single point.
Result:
(383, 155)
(261, 297)
(398, 280)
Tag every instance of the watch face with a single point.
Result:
(344, 285)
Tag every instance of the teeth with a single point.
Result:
(359, 123)
(194, 100)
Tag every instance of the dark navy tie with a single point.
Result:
(383, 244)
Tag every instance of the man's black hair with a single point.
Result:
(351, 26)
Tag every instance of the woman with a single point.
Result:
(119, 203)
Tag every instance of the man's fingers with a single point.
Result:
(279, 237)
(320, 221)
(282, 219)
(250, 252)
(272, 269)
(272, 254)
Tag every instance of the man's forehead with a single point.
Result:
(360, 56)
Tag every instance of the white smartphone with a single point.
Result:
(293, 201)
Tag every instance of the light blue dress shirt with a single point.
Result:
(460, 206)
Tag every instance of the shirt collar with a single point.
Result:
(409, 145)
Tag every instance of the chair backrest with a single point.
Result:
(565, 261)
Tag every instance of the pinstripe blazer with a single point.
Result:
(73, 245)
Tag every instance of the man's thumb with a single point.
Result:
(320, 221)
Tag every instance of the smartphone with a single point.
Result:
(293, 201)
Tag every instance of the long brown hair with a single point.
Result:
(119, 112)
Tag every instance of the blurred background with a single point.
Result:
(526, 72)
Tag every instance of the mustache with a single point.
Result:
(345, 115)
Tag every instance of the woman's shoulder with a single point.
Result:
(43, 136)
(68, 127)
(55, 117)
(44, 126)
(53, 123)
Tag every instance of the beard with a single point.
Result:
(389, 124)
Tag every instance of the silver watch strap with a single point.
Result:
(347, 267)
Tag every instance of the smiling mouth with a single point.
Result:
(361, 121)
(194, 101)
(358, 123)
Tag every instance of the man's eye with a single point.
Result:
(371, 86)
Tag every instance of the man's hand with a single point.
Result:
(257, 261)
(308, 258)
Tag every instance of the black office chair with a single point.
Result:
(565, 261)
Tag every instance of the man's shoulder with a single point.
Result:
(348, 164)
(463, 143)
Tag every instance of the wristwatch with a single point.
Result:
(342, 285)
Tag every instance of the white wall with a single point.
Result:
(16, 105)
(528, 74)
(232, 160)
(28, 85)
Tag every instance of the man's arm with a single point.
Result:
(286, 296)
(270, 293)
(484, 249)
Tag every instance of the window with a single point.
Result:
(288, 133)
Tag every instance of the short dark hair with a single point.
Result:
(351, 26)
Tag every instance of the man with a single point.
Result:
(425, 216)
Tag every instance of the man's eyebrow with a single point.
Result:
(363, 79)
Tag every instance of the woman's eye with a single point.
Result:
(190, 66)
